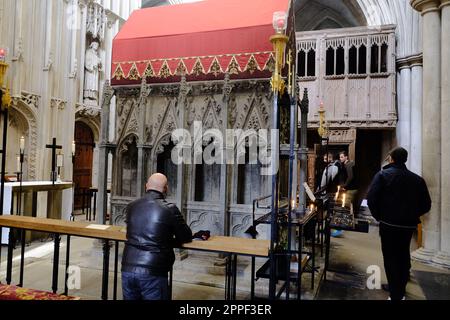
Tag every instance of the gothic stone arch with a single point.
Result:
(22, 106)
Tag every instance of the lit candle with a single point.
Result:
(18, 164)
(343, 201)
(22, 144)
(337, 193)
(293, 204)
(312, 207)
(73, 147)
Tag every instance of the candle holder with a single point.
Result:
(59, 165)
(20, 178)
(73, 152)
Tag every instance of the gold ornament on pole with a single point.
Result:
(323, 126)
(279, 41)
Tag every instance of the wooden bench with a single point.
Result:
(16, 293)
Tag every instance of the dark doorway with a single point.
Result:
(82, 169)
(368, 159)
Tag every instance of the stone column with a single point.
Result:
(410, 94)
(431, 130)
(416, 117)
(404, 123)
(102, 199)
(443, 257)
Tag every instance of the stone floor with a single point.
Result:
(351, 255)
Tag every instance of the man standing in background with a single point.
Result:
(397, 198)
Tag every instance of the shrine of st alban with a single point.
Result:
(246, 107)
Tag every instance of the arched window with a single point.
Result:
(353, 60)
(128, 168)
(311, 63)
(166, 166)
(340, 61)
(330, 62)
(335, 61)
(379, 60)
(301, 64)
(384, 61)
(207, 181)
(250, 180)
(357, 59)
(375, 61)
(362, 63)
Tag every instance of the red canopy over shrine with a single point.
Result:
(202, 41)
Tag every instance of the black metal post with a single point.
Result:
(304, 106)
(252, 284)
(3, 167)
(293, 126)
(171, 284)
(22, 256)
(327, 247)
(234, 275)
(95, 204)
(105, 277)
(313, 255)
(274, 204)
(66, 285)
(10, 256)
(116, 267)
(56, 262)
(300, 261)
(83, 200)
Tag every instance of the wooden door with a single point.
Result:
(82, 171)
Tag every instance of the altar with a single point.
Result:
(41, 199)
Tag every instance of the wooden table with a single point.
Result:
(25, 196)
(229, 245)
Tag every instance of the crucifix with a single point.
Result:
(54, 147)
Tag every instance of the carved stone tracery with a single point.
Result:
(20, 104)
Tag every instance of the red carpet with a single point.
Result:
(17, 293)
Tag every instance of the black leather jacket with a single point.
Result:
(398, 197)
(154, 228)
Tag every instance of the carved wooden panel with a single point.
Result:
(82, 170)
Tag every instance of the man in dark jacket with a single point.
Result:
(397, 198)
(154, 228)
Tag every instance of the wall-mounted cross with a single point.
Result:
(54, 147)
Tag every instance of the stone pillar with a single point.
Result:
(404, 123)
(409, 132)
(416, 118)
(431, 130)
(443, 257)
(102, 199)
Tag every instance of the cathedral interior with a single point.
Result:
(109, 82)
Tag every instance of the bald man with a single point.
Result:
(154, 228)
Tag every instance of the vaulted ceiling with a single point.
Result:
(328, 14)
